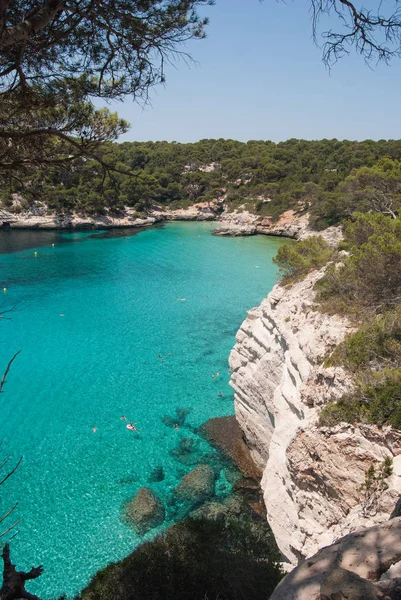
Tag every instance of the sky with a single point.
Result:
(259, 75)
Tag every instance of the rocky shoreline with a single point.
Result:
(238, 223)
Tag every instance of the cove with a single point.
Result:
(112, 324)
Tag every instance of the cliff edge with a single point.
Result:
(313, 478)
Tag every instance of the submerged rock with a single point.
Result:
(156, 475)
(128, 480)
(145, 511)
(196, 486)
(225, 434)
(179, 419)
(185, 446)
(231, 507)
(212, 511)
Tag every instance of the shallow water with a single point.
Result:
(112, 324)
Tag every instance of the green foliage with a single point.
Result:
(370, 476)
(56, 57)
(387, 467)
(264, 177)
(369, 188)
(367, 286)
(195, 559)
(376, 344)
(362, 227)
(369, 279)
(374, 485)
(296, 260)
(377, 402)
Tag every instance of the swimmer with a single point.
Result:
(218, 373)
(213, 375)
(123, 418)
(61, 315)
(94, 429)
(132, 427)
(176, 426)
(220, 394)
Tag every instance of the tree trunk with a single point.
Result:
(13, 586)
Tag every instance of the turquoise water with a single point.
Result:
(93, 314)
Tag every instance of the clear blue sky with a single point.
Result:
(258, 75)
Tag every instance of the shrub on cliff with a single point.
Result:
(297, 260)
(375, 345)
(376, 401)
(195, 559)
(368, 281)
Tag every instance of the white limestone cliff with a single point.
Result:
(312, 477)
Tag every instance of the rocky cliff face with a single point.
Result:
(364, 565)
(312, 478)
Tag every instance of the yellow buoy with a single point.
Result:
(4, 290)
(35, 253)
(52, 245)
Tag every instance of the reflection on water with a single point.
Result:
(16, 240)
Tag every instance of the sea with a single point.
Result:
(112, 327)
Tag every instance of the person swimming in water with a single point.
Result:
(123, 418)
(132, 427)
(94, 429)
(220, 394)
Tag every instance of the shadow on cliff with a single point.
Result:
(349, 568)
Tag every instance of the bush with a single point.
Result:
(377, 403)
(375, 345)
(297, 260)
(369, 280)
(194, 560)
(363, 226)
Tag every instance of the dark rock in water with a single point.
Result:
(156, 475)
(145, 511)
(179, 419)
(235, 505)
(128, 480)
(215, 460)
(182, 414)
(196, 486)
(189, 460)
(185, 446)
(247, 484)
(250, 490)
(231, 508)
(212, 511)
(188, 453)
(225, 434)
(233, 475)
